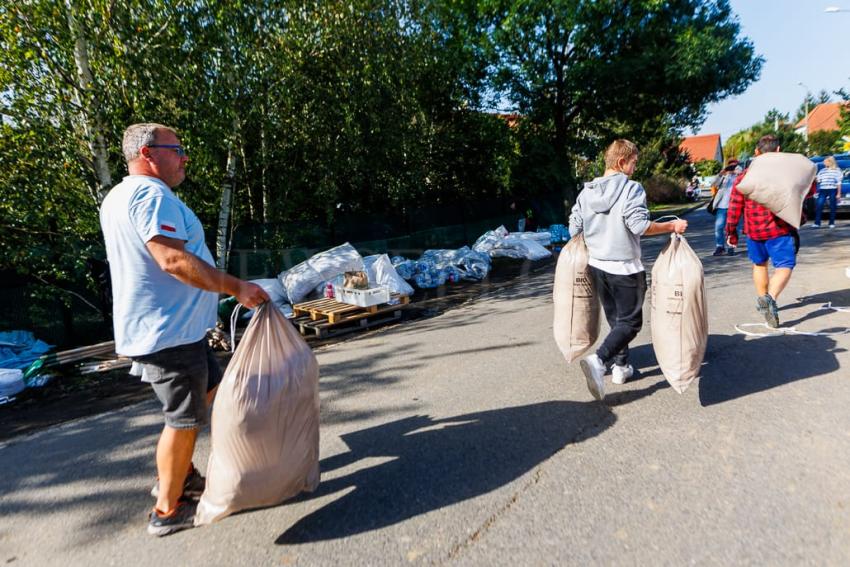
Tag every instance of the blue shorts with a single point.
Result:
(779, 250)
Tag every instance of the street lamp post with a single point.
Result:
(806, 119)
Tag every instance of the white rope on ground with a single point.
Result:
(781, 331)
(834, 308)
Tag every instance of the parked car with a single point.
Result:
(843, 162)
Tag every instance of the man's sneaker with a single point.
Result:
(718, 251)
(730, 252)
(193, 486)
(766, 305)
(181, 518)
(619, 374)
(815, 226)
(832, 226)
(594, 372)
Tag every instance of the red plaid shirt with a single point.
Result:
(759, 222)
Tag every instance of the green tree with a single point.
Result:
(742, 144)
(707, 167)
(824, 142)
(582, 69)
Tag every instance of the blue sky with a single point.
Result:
(800, 43)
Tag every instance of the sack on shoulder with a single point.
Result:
(576, 321)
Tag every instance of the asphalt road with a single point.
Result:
(465, 439)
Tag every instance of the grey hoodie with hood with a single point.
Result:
(612, 213)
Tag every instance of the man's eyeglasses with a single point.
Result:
(178, 149)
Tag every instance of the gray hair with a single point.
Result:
(139, 135)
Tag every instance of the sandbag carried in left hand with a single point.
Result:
(679, 315)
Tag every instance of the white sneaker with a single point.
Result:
(619, 374)
(594, 372)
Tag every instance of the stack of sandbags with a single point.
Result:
(780, 182)
(679, 317)
(576, 322)
(265, 421)
(302, 279)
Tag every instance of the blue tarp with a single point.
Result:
(18, 349)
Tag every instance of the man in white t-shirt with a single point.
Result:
(164, 289)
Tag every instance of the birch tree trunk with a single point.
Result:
(91, 119)
(221, 247)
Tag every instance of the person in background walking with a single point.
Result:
(829, 189)
(721, 195)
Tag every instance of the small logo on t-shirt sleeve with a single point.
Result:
(167, 226)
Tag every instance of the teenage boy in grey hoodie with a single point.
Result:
(611, 211)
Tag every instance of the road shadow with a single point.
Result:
(438, 462)
(736, 366)
(838, 298)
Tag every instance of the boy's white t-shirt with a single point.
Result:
(152, 310)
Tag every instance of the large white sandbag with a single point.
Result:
(265, 421)
(679, 316)
(780, 181)
(576, 321)
(303, 278)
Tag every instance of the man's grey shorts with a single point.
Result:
(181, 376)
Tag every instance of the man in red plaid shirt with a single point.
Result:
(768, 238)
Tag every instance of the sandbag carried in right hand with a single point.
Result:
(780, 181)
(679, 316)
(576, 322)
(265, 421)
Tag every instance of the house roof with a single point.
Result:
(701, 147)
(512, 118)
(823, 117)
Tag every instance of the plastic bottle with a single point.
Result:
(329, 291)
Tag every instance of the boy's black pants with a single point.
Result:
(622, 299)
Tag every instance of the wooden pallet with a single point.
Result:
(324, 318)
(334, 311)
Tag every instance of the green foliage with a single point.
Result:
(339, 107)
(582, 70)
(823, 142)
(707, 167)
(661, 188)
(741, 145)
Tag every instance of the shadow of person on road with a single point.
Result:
(435, 463)
(816, 303)
(736, 366)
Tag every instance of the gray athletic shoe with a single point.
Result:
(766, 305)
(193, 486)
(183, 518)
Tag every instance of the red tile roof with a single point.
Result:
(702, 147)
(823, 117)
